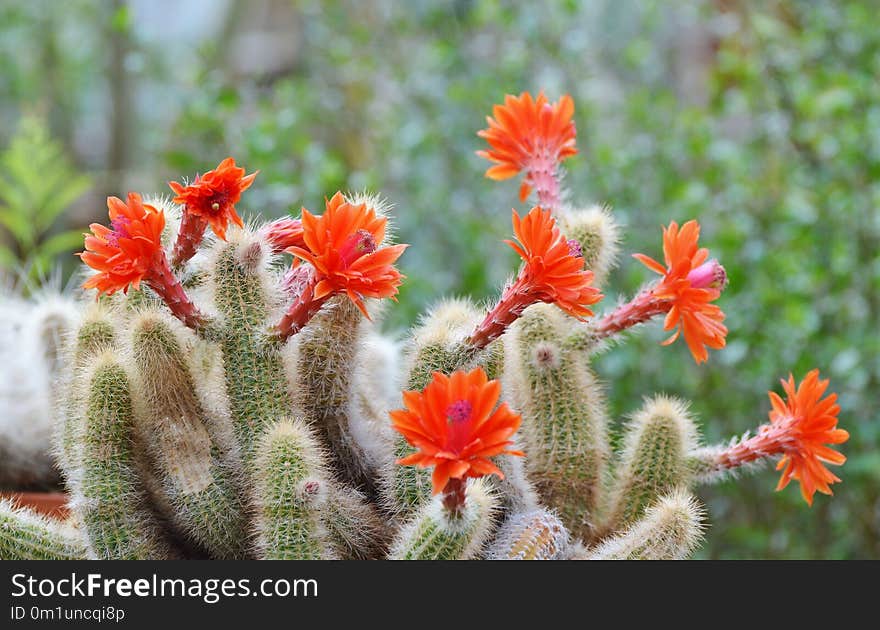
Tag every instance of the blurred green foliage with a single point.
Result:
(760, 119)
(37, 184)
(781, 164)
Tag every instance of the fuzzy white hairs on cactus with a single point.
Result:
(33, 331)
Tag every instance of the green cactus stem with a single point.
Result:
(670, 529)
(326, 349)
(256, 383)
(535, 535)
(112, 503)
(291, 490)
(198, 481)
(26, 535)
(438, 533)
(653, 461)
(565, 421)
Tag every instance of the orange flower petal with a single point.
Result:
(691, 312)
(806, 422)
(551, 272)
(525, 129)
(344, 247)
(125, 252)
(213, 195)
(454, 420)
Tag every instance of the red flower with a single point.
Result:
(343, 245)
(212, 196)
(533, 135)
(456, 427)
(124, 253)
(800, 428)
(689, 285)
(553, 272)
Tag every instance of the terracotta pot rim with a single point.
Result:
(52, 503)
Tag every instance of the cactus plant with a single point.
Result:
(33, 330)
(222, 401)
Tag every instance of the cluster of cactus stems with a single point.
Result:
(222, 401)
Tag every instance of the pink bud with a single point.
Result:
(709, 275)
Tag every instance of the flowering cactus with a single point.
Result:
(225, 401)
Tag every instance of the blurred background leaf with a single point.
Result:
(761, 119)
(37, 184)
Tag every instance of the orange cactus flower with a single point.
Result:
(534, 135)
(456, 427)
(130, 252)
(685, 294)
(212, 197)
(690, 284)
(801, 427)
(343, 245)
(554, 267)
(810, 422)
(126, 252)
(552, 271)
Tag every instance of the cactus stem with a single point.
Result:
(514, 300)
(544, 175)
(639, 310)
(163, 281)
(454, 496)
(189, 237)
(300, 311)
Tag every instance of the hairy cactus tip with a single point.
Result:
(344, 247)
(685, 294)
(533, 135)
(801, 428)
(456, 427)
(552, 272)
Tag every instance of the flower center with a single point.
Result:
(119, 227)
(356, 245)
(709, 275)
(459, 412)
(217, 201)
(574, 248)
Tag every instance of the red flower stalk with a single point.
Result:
(344, 247)
(532, 135)
(456, 427)
(800, 428)
(209, 199)
(304, 306)
(552, 272)
(130, 251)
(296, 279)
(685, 293)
